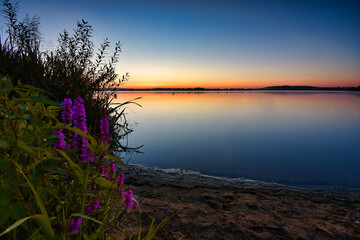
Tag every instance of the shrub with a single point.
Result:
(72, 69)
(56, 180)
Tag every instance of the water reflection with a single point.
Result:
(289, 137)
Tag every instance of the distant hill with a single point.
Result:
(286, 87)
(271, 88)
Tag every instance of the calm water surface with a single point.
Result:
(306, 138)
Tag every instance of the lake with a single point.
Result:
(288, 137)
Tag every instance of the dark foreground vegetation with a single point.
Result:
(61, 174)
(73, 69)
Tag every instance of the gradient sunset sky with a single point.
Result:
(218, 43)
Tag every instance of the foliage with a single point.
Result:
(72, 69)
(49, 192)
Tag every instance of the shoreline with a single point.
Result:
(139, 170)
(208, 207)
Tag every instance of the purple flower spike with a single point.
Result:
(93, 206)
(80, 122)
(128, 200)
(135, 206)
(79, 114)
(60, 142)
(111, 171)
(104, 128)
(67, 114)
(120, 179)
(74, 225)
(91, 156)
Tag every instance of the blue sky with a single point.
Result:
(219, 43)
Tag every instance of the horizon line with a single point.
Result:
(232, 88)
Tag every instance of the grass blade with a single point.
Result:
(46, 221)
(41, 218)
(87, 217)
(77, 169)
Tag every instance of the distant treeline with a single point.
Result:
(273, 88)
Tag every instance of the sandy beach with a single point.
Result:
(219, 208)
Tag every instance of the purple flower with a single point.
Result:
(104, 128)
(120, 179)
(80, 122)
(74, 225)
(61, 227)
(91, 156)
(92, 189)
(79, 114)
(93, 206)
(111, 171)
(60, 142)
(128, 199)
(102, 171)
(135, 206)
(67, 114)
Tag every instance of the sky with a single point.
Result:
(217, 44)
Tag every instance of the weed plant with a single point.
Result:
(57, 181)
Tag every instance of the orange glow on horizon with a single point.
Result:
(253, 83)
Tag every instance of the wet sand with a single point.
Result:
(219, 208)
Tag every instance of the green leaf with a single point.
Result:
(36, 234)
(24, 146)
(21, 221)
(154, 228)
(49, 108)
(139, 237)
(60, 125)
(17, 210)
(59, 170)
(87, 217)
(23, 118)
(44, 221)
(115, 159)
(104, 183)
(15, 225)
(78, 131)
(51, 162)
(38, 99)
(77, 169)
(93, 141)
(101, 149)
(4, 215)
(35, 88)
(132, 101)
(4, 145)
(53, 192)
(4, 199)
